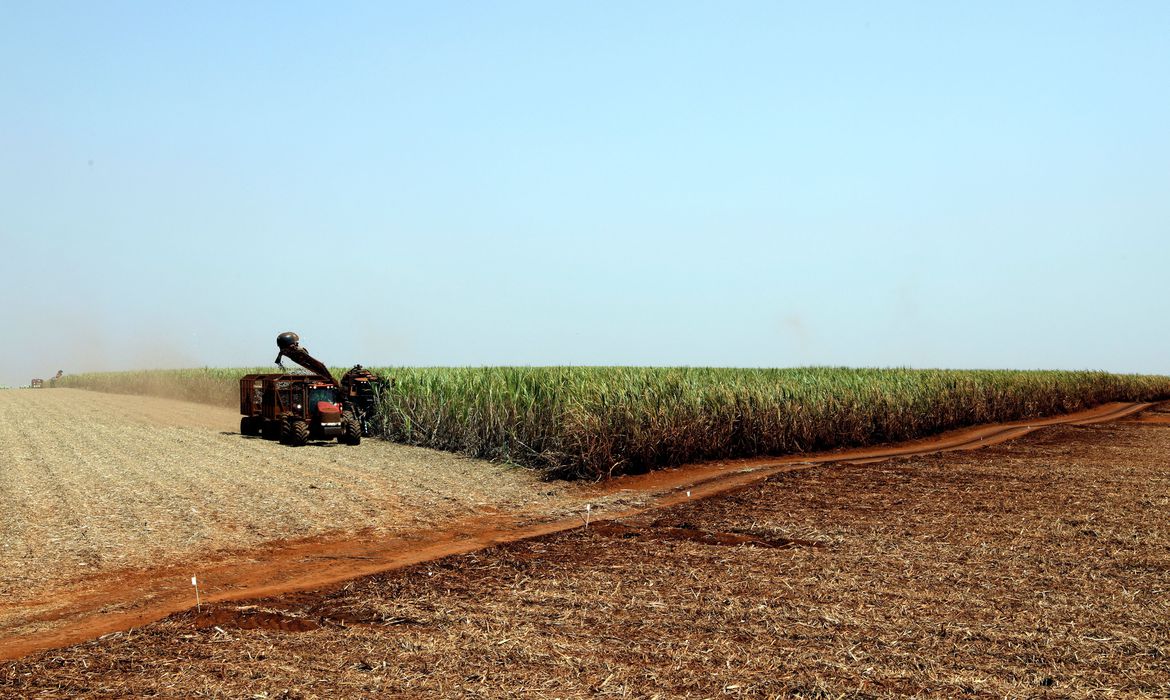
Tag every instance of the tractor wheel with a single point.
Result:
(298, 433)
(270, 429)
(246, 425)
(353, 430)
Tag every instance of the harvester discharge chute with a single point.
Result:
(290, 347)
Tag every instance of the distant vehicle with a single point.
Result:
(40, 383)
(295, 408)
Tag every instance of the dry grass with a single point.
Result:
(1034, 569)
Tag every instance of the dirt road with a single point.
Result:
(116, 501)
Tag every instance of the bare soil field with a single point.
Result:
(1035, 568)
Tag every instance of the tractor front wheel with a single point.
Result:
(298, 433)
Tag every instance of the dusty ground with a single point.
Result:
(1038, 568)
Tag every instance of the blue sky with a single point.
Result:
(734, 184)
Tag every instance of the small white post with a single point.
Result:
(688, 494)
(198, 604)
(588, 508)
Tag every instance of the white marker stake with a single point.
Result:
(588, 508)
(688, 494)
(198, 605)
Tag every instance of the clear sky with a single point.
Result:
(653, 183)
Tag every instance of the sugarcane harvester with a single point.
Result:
(295, 408)
(362, 390)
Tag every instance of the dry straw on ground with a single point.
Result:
(95, 483)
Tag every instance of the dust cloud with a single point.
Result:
(38, 345)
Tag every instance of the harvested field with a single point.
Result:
(98, 485)
(1039, 567)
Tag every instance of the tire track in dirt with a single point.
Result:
(120, 600)
(146, 501)
(51, 507)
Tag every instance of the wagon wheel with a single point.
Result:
(251, 425)
(270, 429)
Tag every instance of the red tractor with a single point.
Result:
(295, 408)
